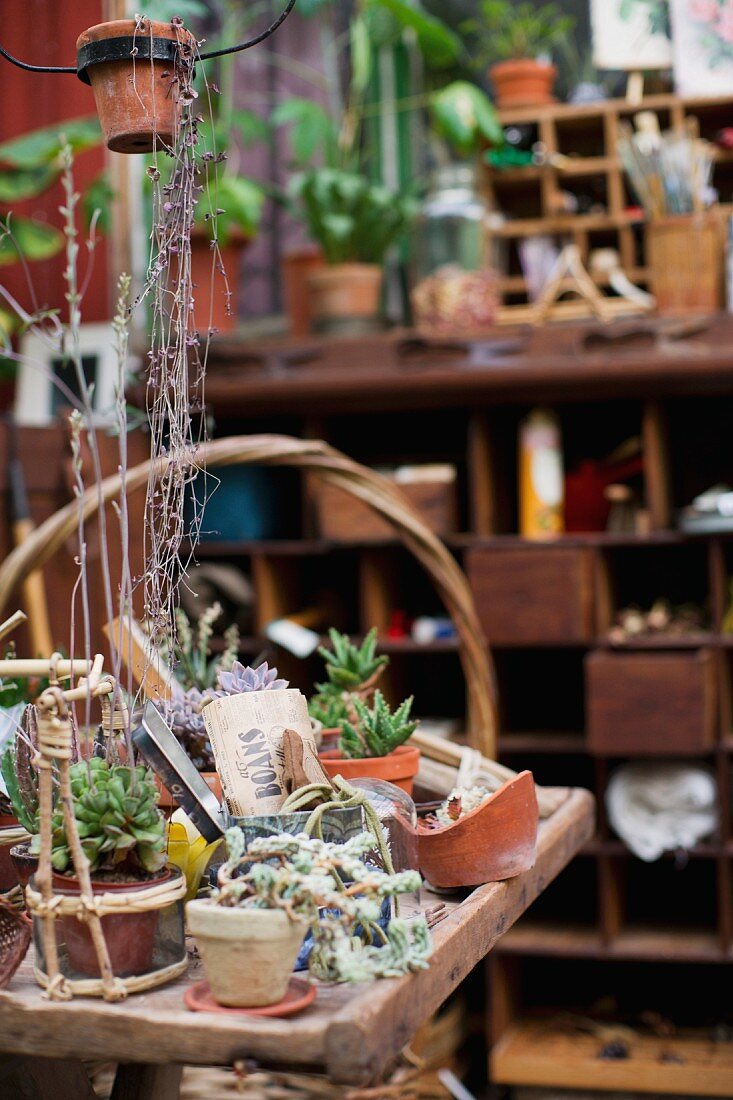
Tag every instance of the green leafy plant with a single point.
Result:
(229, 201)
(328, 706)
(464, 116)
(351, 218)
(506, 31)
(120, 826)
(193, 663)
(350, 666)
(19, 774)
(29, 166)
(377, 731)
(305, 877)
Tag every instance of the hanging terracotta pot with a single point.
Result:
(132, 70)
(345, 298)
(523, 83)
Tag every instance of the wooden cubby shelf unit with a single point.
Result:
(546, 608)
(586, 136)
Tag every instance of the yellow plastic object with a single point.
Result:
(188, 851)
(541, 489)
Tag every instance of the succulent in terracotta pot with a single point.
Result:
(372, 745)
(122, 833)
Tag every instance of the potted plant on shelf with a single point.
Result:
(516, 41)
(355, 222)
(371, 740)
(353, 218)
(373, 745)
(351, 670)
(249, 933)
(122, 834)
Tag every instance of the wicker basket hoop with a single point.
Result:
(335, 469)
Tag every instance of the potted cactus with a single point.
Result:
(351, 670)
(249, 933)
(122, 833)
(372, 744)
(370, 740)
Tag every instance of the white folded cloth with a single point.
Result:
(658, 807)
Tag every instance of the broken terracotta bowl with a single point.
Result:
(497, 840)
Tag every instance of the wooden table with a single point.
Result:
(351, 1033)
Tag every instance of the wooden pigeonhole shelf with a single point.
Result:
(586, 136)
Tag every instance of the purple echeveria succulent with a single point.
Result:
(239, 679)
(183, 715)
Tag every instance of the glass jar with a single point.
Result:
(455, 257)
(454, 224)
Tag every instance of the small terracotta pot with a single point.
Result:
(210, 285)
(248, 954)
(24, 863)
(399, 767)
(329, 739)
(296, 268)
(130, 937)
(136, 96)
(524, 83)
(166, 801)
(346, 298)
(8, 877)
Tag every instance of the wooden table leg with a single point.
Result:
(136, 1081)
(45, 1079)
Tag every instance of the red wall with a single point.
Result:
(44, 32)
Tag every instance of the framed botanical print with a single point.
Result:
(631, 35)
(702, 33)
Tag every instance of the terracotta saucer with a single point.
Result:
(299, 995)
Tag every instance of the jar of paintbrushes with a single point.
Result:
(671, 175)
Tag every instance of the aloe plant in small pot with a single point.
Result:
(351, 670)
(370, 739)
(122, 833)
(249, 933)
(516, 41)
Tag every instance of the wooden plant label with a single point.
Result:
(247, 734)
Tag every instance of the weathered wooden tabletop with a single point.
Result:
(351, 1033)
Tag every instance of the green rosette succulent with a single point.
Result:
(119, 823)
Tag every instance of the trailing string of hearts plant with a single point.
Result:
(142, 75)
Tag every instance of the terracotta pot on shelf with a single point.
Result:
(210, 285)
(248, 954)
(496, 841)
(296, 267)
(136, 96)
(346, 298)
(130, 937)
(399, 767)
(523, 83)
